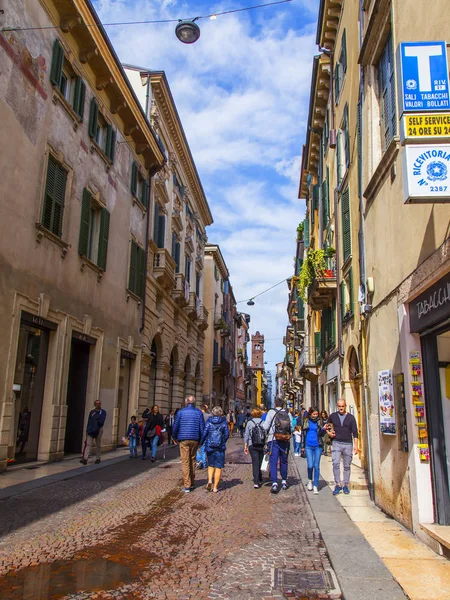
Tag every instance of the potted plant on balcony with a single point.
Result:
(329, 255)
(313, 266)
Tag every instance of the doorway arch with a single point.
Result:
(355, 378)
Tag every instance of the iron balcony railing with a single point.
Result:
(309, 356)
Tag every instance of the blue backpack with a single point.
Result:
(215, 437)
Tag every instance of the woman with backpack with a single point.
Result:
(313, 433)
(254, 442)
(215, 438)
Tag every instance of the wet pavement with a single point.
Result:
(128, 531)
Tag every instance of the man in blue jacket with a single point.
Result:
(94, 432)
(187, 432)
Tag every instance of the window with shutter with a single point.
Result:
(317, 348)
(359, 143)
(343, 55)
(345, 128)
(145, 193)
(349, 282)
(338, 157)
(177, 257)
(57, 64)
(85, 225)
(79, 97)
(306, 237)
(161, 240)
(316, 195)
(197, 284)
(346, 224)
(337, 82)
(386, 69)
(93, 118)
(54, 196)
(325, 200)
(342, 286)
(326, 131)
(138, 267)
(156, 224)
(174, 241)
(103, 239)
(110, 142)
(134, 178)
(333, 323)
(187, 269)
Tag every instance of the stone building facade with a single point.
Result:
(70, 229)
(176, 315)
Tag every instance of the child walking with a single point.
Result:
(132, 436)
(297, 440)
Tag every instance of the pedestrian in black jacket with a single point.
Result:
(343, 430)
(94, 432)
(150, 437)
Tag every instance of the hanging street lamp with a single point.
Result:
(187, 31)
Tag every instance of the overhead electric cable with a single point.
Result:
(150, 22)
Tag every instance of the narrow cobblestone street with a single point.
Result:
(128, 531)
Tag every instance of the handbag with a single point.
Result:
(265, 463)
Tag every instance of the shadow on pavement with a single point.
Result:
(30, 506)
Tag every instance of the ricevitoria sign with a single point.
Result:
(431, 307)
(426, 173)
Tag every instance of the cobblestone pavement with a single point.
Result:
(128, 531)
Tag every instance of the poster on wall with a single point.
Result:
(386, 399)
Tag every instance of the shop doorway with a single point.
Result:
(436, 362)
(29, 384)
(123, 396)
(76, 395)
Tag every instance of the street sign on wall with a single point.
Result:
(429, 125)
(424, 77)
(426, 171)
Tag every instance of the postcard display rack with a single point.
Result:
(415, 363)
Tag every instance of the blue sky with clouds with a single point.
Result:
(242, 93)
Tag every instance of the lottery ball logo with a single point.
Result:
(411, 84)
(437, 171)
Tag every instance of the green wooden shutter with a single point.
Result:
(79, 97)
(350, 289)
(133, 267)
(156, 223)
(144, 193)
(317, 349)
(161, 231)
(141, 273)
(177, 257)
(338, 157)
(57, 64)
(326, 131)
(337, 82)
(359, 142)
(343, 56)
(386, 70)
(103, 239)
(346, 225)
(55, 191)
(110, 144)
(83, 241)
(342, 286)
(316, 189)
(306, 239)
(134, 178)
(346, 137)
(333, 323)
(174, 241)
(325, 201)
(93, 118)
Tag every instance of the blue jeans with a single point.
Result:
(313, 454)
(279, 452)
(201, 456)
(152, 443)
(133, 446)
(297, 447)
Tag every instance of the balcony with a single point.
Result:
(308, 359)
(323, 288)
(221, 324)
(180, 291)
(203, 320)
(194, 306)
(221, 364)
(164, 268)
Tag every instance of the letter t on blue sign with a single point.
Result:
(424, 76)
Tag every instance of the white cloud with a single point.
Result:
(242, 94)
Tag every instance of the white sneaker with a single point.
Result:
(315, 490)
(309, 487)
